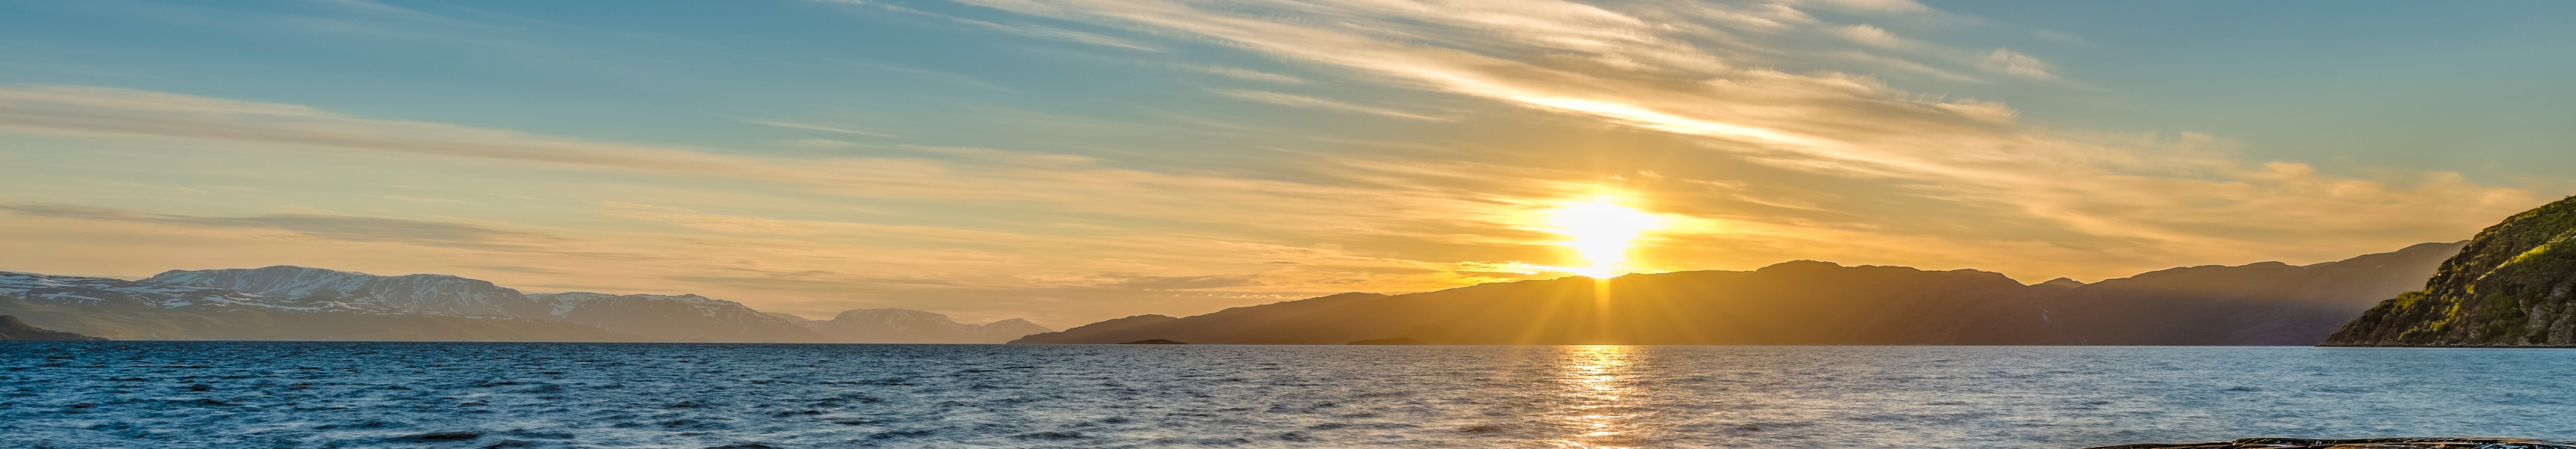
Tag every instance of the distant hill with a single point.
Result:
(13, 330)
(2267, 303)
(914, 326)
(672, 317)
(2509, 287)
(1795, 303)
(300, 303)
(1818, 303)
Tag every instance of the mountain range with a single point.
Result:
(300, 303)
(1820, 303)
(1793, 303)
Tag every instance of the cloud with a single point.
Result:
(1876, 6)
(1906, 65)
(1246, 74)
(823, 128)
(329, 227)
(2008, 61)
(1136, 282)
(110, 112)
(1035, 31)
(1614, 67)
(513, 269)
(1871, 35)
(1319, 103)
(712, 222)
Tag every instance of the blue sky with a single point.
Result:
(1076, 160)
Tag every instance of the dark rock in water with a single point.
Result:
(1389, 341)
(2364, 443)
(2511, 286)
(1157, 341)
(13, 330)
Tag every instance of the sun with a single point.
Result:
(1601, 233)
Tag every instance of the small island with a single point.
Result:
(1157, 341)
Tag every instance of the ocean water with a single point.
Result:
(472, 395)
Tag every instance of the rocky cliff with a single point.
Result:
(2509, 287)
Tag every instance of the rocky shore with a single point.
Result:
(2364, 443)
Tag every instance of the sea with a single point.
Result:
(743, 396)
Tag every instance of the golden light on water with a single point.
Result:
(1601, 233)
(1595, 382)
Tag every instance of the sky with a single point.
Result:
(1069, 161)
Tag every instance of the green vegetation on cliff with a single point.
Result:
(2509, 287)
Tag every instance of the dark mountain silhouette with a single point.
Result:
(2509, 287)
(13, 330)
(1813, 303)
(1818, 303)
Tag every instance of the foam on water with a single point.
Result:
(203, 394)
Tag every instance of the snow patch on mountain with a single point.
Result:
(95, 291)
(416, 293)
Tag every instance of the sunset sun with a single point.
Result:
(1600, 233)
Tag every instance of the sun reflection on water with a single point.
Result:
(1595, 382)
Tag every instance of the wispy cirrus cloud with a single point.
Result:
(1035, 31)
(823, 128)
(322, 226)
(1612, 65)
(1302, 101)
(1246, 74)
(2008, 61)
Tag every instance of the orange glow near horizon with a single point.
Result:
(1602, 232)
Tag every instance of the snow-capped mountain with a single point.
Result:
(668, 317)
(129, 310)
(416, 293)
(914, 326)
(90, 291)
